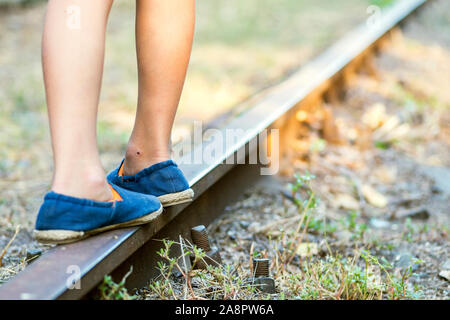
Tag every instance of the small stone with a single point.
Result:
(254, 227)
(378, 223)
(345, 201)
(408, 200)
(231, 234)
(15, 250)
(441, 177)
(344, 235)
(265, 284)
(177, 274)
(422, 275)
(273, 233)
(385, 174)
(375, 116)
(446, 265)
(445, 274)
(435, 189)
(244, 224)
(415, 213)
(288, 195)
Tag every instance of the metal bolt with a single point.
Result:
(200, 237)
(261, 267)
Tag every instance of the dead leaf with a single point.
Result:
(392, 130)
(346, 201)
(374, 197)
(375, 116)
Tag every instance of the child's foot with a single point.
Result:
(163, 180)
(64, 219)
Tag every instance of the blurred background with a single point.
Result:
(240, 48)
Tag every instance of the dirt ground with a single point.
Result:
(382, 181)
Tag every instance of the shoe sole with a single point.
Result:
(172, 199)
(68, 236)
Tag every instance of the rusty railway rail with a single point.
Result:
(215, 184)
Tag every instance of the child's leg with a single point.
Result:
(72, 57)
(164, 33)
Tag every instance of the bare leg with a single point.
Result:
(73, 66)
(164, 34)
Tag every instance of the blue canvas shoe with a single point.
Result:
(163, 180)
(64, 219)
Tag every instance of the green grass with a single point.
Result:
(110, 290)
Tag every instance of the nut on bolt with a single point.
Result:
(261, 278)
(201, 240)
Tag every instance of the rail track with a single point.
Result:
(215, 183)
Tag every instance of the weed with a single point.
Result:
(109, 290)
(383, 145)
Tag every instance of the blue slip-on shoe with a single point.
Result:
(163, 180)
(65, 219)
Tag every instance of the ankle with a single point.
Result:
(137, 159)
(86, 184)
